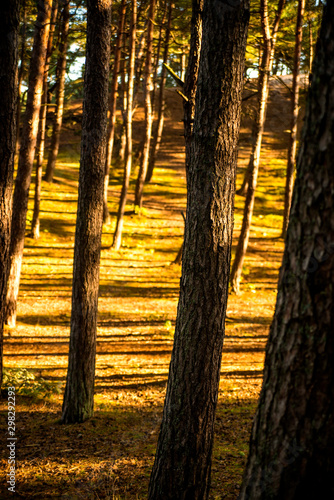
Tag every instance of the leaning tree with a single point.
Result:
(292, 444)
(183, 458)
(9, 29)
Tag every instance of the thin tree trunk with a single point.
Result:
(183, 458)
(292, 443)
(156, 140)
(21, 71)
(148, 109)
(117, 240)
(269, 39)
(60, 94)
(294, 118)
(112, 109)
(41, 129)
(78, 402)
(27, 153)
(122, 147)
(157, 56)
(9, 50)
(190, 82)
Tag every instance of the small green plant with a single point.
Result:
(27, 384)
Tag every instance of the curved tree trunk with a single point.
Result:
(156, 140)
(269, 39)
(78, 402)
(183, 458)
(117, 240)
(294, 118)
(41, 129)
(148, 109)
(292, 443)
(60, 94)
(27, 153)
(112, 109)
(9, 48)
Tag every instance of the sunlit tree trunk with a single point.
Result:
(26, 157)
(9, 48)
(269, 40)
(78, 402)
(41, 129)
(123, 92)
(294, 117)
(112, 109)
(156, 139)
(60, 94)
(117, 240)
(148, 109)
(183, 458)
(292, 443)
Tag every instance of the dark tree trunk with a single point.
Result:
(183, 458)
(112, 109)
(78, 402)
(156, 140)
(292, 444)
(294, 118)
(269, 39)
(27, 153)
(117, 240)
(60, 93)
(9, 41)
(41, 129)
(148, 109)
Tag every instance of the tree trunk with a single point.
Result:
(21, 70)
(156, 140)
(112, 110)
(26, 157)
(183, 458)
(269, 39)
(269, 42)
(148, 109)
(161, 22)
(121, 153)
(294, 118)
(41, 129)
(292, 443)
(117, 240)
(9, 49)
(60, 94)
(78, 402)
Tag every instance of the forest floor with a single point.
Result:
(111, 455)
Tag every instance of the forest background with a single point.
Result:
(138, 281)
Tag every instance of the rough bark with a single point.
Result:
(294, 117)
(78, 402)
(112, 109)
(9, 41)
(156, 139)
(183, 458)
(26, 157)
(41, 129)
(269, 40)
(60, 94)
(148, 109)
(117, 240)
(292, 443)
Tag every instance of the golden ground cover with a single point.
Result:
(111, 455)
